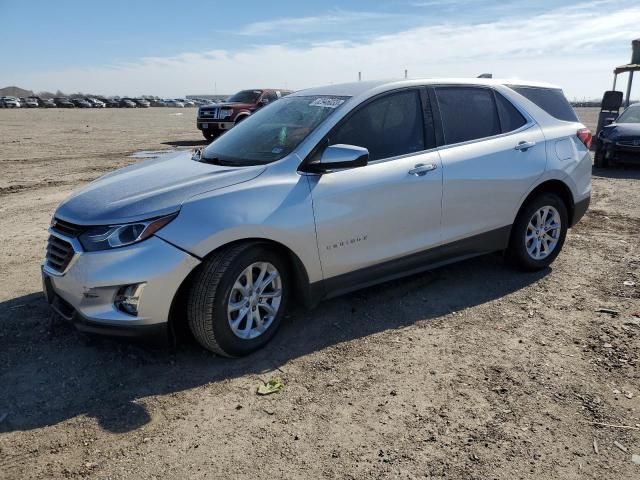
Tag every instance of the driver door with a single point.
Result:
(371, 219)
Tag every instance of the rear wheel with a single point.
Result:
(538, 234)
(238, 299)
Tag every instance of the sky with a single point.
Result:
(189, 47)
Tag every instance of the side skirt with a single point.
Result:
(476, 245)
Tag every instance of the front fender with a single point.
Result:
(275, 207)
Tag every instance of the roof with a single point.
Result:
(356, 88)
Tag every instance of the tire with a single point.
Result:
(599, 160)
(518, 252)
(214, 287)
(209, 135)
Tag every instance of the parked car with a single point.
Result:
(173, 103)
(325, 191)
(157, 103)
(28, 102)
(109, 102)
(142, 102)
(9, 102)
(619, 142)
(186, 102)
(215, 119)
(96, 103)
(127, 103)
(48, 103)
(63, 102)
(81, 103)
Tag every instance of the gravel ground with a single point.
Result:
(468, 371)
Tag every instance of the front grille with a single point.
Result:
(65, 228)
(59, 253)
(212, 113)
(630, 143)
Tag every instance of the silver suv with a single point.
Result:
(326, 191)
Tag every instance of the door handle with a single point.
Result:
(524, 146)
(421, 169)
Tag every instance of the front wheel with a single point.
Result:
(209, 135)
(599, 159)
(538, 233)
(238, 299)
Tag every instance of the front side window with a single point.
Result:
(387, 127)
(467, 113)
(273, 131)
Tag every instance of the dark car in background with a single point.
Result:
(142, 102)
(109, 102)
(63, 102)
(48, 103)
(215, 119)
(127, 103)
(81, 103)
(619, 142)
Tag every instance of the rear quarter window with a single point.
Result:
(551, 100)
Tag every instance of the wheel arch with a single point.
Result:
(557, 187)
(303, 291)
(241, 116)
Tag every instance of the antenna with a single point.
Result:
(406, 73)
(359, 76)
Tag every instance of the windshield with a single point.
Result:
(273, 132)
(630, 115)
(245, 96)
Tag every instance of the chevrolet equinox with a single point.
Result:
(325, 191)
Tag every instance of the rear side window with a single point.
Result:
(467, 113)
(551, 100)
(387, 127)
(510, 118)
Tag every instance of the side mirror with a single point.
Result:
(340, 157)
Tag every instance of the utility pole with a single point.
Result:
(359, 76)
(406, 74)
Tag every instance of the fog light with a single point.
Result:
(128, 298)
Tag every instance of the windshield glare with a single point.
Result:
(273, 132)
(245, 96)
(630, 115)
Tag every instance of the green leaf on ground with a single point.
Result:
(272, 386)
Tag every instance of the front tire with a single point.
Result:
(209, 135)
(539, 232)
(238, 299)
(599, 160)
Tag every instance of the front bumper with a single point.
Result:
(86, 292)
(207, 124)
(620, 152)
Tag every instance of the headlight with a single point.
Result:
(226, 112)
(113, 236)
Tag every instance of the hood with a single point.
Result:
(621, 130)
(228, 104)
(149, 189)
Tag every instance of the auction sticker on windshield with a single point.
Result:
(327, 102)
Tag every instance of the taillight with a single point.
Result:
(584, 134)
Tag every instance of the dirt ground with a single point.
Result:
(470, 371)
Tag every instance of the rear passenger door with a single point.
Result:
(491, 154)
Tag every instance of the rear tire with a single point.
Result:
(539, 232)
(214, 299)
